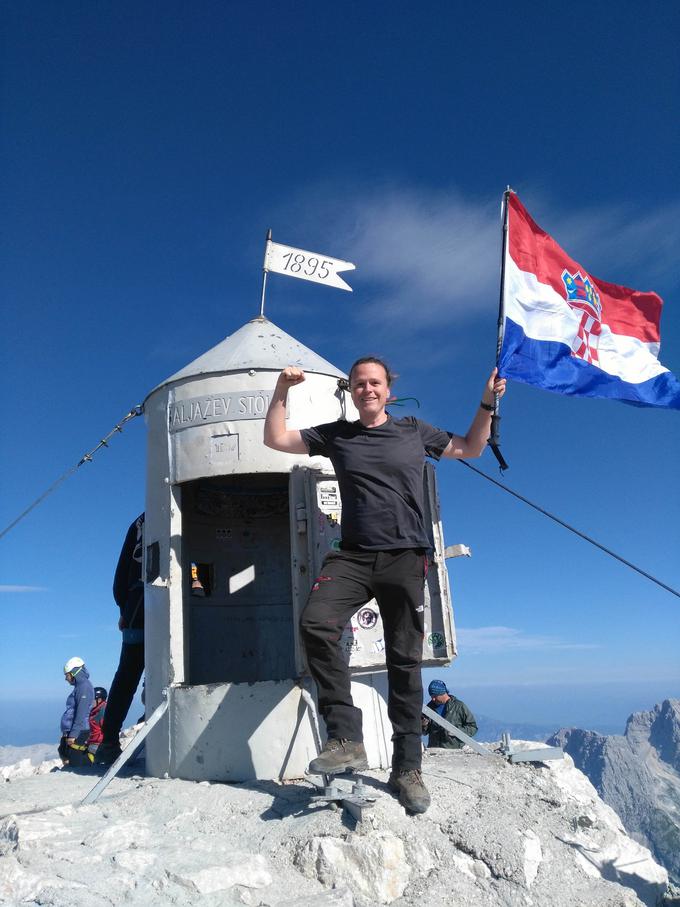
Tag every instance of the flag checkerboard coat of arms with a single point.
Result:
(582, 295)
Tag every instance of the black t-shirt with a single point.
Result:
(380, 473)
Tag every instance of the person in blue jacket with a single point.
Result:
(75, 722)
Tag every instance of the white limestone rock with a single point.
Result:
(247, 870)
(336, 897)
(374, 865)
(522, 835)
(533, 856)
(25, 768)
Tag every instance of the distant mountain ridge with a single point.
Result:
(638, 775)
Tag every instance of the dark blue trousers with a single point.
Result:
(123, 689)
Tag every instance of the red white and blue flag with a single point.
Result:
(569, 332)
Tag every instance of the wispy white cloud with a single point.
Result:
(619, 243)
(432, 256)
(23, 589)
(483, 640)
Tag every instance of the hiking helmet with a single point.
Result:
(73, 665)
(100, 693)
(437, 688)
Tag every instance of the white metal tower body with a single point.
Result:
(253, 525)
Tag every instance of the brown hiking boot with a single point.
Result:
(408, 783)
(339, 756)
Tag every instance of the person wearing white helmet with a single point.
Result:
(73, 666)
(75, 723)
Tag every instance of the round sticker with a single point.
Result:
(367, 618)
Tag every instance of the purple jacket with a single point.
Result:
(76, 717)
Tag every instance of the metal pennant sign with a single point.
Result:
(305, 265)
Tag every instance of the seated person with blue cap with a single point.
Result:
(452, 710)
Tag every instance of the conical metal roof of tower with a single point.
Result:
(259, 344)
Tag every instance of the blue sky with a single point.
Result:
(146, 149)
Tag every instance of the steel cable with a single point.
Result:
(582, 535)
(86, 458)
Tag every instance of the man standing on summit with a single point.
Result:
(379, 463)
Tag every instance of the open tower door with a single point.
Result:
(316, 515)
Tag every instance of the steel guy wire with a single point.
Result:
(582, 535)
(86, 458)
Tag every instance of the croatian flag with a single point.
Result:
(571, 333)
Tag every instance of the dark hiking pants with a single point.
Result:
(123, 689)
(76, 756)
(349, 579)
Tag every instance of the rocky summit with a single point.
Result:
(638, 775)
(497, 835)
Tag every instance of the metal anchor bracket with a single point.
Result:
(542, 754)
(506, 749)
(356, 801)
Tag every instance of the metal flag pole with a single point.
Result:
(265, 272)
(494, 439)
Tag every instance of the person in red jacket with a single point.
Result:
(97, 719)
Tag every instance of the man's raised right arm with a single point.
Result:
(276, 435)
